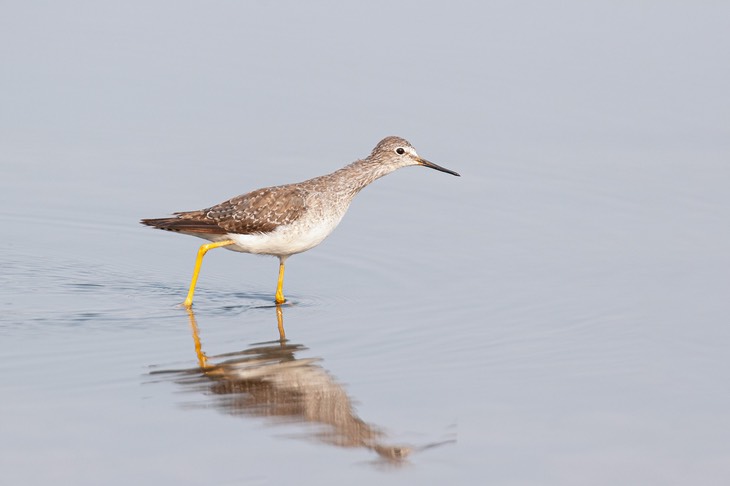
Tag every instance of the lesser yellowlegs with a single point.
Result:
(289, 219)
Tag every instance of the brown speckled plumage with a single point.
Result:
(289, 219)
(259, 211)
(263, 210)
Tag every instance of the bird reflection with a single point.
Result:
(269, 380)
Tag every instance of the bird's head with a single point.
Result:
(398, 152)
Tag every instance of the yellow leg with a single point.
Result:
(198, 262)
(280, 284)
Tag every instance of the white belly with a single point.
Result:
(285, 240)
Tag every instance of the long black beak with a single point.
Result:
(426, 163)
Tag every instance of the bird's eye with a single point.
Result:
(400, 150)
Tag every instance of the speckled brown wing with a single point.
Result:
(260, 211)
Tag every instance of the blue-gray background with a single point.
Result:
(561, 310)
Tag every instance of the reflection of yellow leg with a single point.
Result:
(280, 322)
(202, 358)
(198, 262)
(280, 285)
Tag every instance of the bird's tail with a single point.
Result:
(184, 225)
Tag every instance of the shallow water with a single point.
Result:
(557, 315)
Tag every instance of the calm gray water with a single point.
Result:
(556, 316)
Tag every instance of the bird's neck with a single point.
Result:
(354, 177)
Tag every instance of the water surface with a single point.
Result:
(557, 315)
